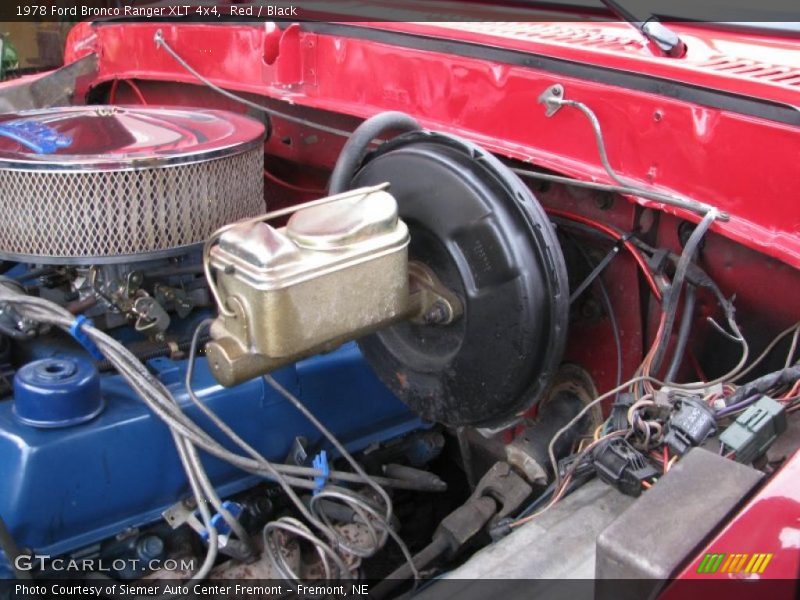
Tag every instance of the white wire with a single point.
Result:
(160, 42)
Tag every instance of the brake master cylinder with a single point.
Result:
(335, 272)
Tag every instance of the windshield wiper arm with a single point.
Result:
(661, 37)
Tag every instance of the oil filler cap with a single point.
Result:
(480, 230)
(57, 392)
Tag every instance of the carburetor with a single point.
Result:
(338, 270)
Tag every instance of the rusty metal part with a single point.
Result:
(305, 564)
(503, 485)
(498, 493)
(572, 389)
(465, 522)
(410, 474)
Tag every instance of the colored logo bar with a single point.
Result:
(734, 563)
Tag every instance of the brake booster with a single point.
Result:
(426, 272)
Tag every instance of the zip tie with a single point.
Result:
(218, 521)
(76, 331)
(320, 462)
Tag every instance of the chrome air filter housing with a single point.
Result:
(115, 184)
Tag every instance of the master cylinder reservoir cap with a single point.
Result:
(344, 222)
(57, 392)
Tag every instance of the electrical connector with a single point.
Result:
(618, 418)
(568, 463)
(755, 429)
(621, 465)
(690, 424)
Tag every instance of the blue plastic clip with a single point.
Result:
(219, 523)
(320, 462)
(35, 136)
(76, 331)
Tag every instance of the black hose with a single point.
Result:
(357, 146)
(670, 304)
(683, 333)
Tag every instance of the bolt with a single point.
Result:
(439, 312)
(604, 200)
(150, 547)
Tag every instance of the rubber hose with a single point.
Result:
(356, 148)
(683, 333)
(670, 303)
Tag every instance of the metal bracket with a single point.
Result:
(151, 316)
(553, 99)
(179, 514)
(182, 513)
(432, 303)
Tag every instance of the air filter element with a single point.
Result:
(112, 184)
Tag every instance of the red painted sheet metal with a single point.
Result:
(768, 524)
(743, 164)
(619, 46)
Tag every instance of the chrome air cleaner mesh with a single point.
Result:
(102, 184)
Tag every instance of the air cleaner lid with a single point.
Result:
(121, 137)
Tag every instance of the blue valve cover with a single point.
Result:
(63, 489)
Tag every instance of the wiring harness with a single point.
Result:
(653, 422)
(334, 549)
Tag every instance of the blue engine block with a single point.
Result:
(63, 489)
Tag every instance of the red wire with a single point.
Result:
(291, 186)
(136, 91)
(112, 96)
(617, 236)
(666, 458)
